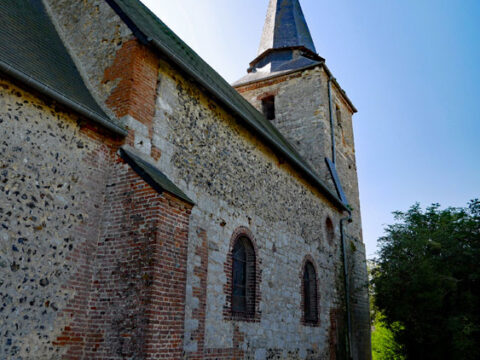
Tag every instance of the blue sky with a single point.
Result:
(411, 67)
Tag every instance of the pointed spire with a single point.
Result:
(286, 43)
(285, 27)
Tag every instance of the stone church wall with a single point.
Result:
(301, 114)
(93, 259)
(53, 306)
(53, 170)
(237, 182)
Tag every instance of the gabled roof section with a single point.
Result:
(150, 173)
(285, 26)
(150, 29)
(32, 52)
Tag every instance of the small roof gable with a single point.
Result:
(150, 173)
(151, 30)
(32, 52)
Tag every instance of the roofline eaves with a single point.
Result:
(55, 95)
(288, 72)
(310, 175)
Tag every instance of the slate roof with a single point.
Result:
(151, 30)
(286, 43)
(285, 26)
(150, 173)
(32, 52)
(278, 69)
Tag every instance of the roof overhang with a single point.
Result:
(60, 98)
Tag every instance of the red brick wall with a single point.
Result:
(200, 292)
(140, 277)
(130, 285)
(136, 71)
(130, 289)
(75, 336)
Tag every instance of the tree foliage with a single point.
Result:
(384, 345)
(427, 281)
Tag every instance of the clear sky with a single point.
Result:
(411, 67)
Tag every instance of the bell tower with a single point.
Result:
(290, 83)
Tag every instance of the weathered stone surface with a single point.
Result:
(93, 34)
(58, 198)
(303, 117)
(50, 187)
(236, 181)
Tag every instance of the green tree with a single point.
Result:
(427, 282)
(384, 345)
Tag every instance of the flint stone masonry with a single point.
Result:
(100, 266)
(93, 258)
(51, 180)
(302, 115)
(236, 181)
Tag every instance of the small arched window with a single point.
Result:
(243, 278)
(330, 230)
(310, 296)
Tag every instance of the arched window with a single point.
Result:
(243, 278)
(330, 230)
(310, 297)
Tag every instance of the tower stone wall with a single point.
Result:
(303, 116)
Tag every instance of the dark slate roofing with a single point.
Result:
(32, 52)
(285, 26)
(286, 46)
(286, 43)
(278, 69)
(150, 29)
(150, 173)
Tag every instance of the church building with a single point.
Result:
(151, 210)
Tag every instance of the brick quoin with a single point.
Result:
(200, 292)
(136, 70)
(130, 284)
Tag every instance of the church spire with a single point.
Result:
(285, 27)
(286, 42)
